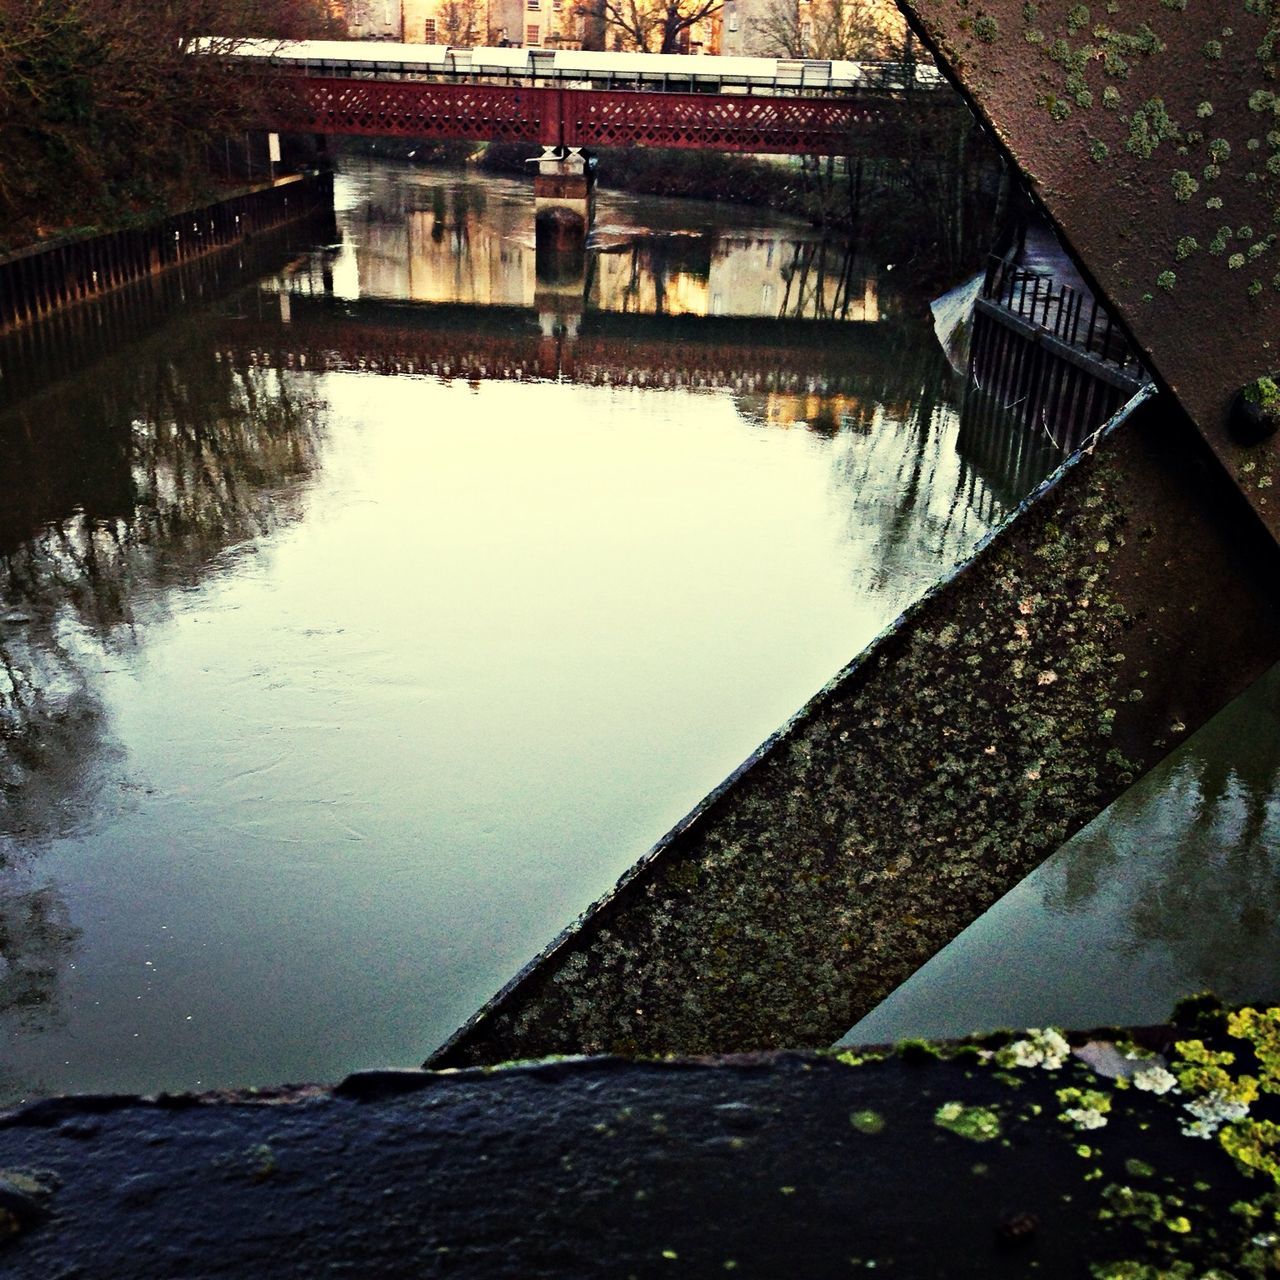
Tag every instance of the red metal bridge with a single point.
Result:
(613, 100)
(574, 117)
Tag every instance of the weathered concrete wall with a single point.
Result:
(1132, 599)
(1008, 1164)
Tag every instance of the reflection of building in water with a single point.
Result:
(665, 275)
(467, 260)
(824, 413)
(461, 240)
(730, 275)
(459, 248)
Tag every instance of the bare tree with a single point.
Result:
(648, 26)
(851, 29)
(103, 111)
(459, 22)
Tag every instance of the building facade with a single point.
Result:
(853, 29)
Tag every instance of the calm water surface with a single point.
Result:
(360, 629)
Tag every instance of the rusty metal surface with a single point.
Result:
(1150, 130)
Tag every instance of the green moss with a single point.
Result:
(978, 1124)
(1114, 65)
(1265, 393)
(916, 1052)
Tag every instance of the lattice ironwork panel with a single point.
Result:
(602, 118)
(409, 108)
(576, 117)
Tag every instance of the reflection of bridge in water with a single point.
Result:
(830, 375)
(598, 348)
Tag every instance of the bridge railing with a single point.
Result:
(588, 69)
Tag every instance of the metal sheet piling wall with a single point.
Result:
(43, 279)
(1049, 356)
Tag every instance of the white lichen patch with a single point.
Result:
(1041, 1048)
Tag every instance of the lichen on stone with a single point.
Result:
(976, 1123)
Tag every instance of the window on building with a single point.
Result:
(533, 37)
(733, 20)
(533, 5)
(557, 5)
(429, 31)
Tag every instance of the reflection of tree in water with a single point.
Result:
(893, 449)
(36, 943)
(655, 265)
(1196, 847)
(130, 481)
(820, 281)
(812, 279)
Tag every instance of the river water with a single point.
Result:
(359, 627)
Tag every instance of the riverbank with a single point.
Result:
(50, 275)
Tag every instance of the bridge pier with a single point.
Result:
(564, 200)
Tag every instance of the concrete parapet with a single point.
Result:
(1012, 1158)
